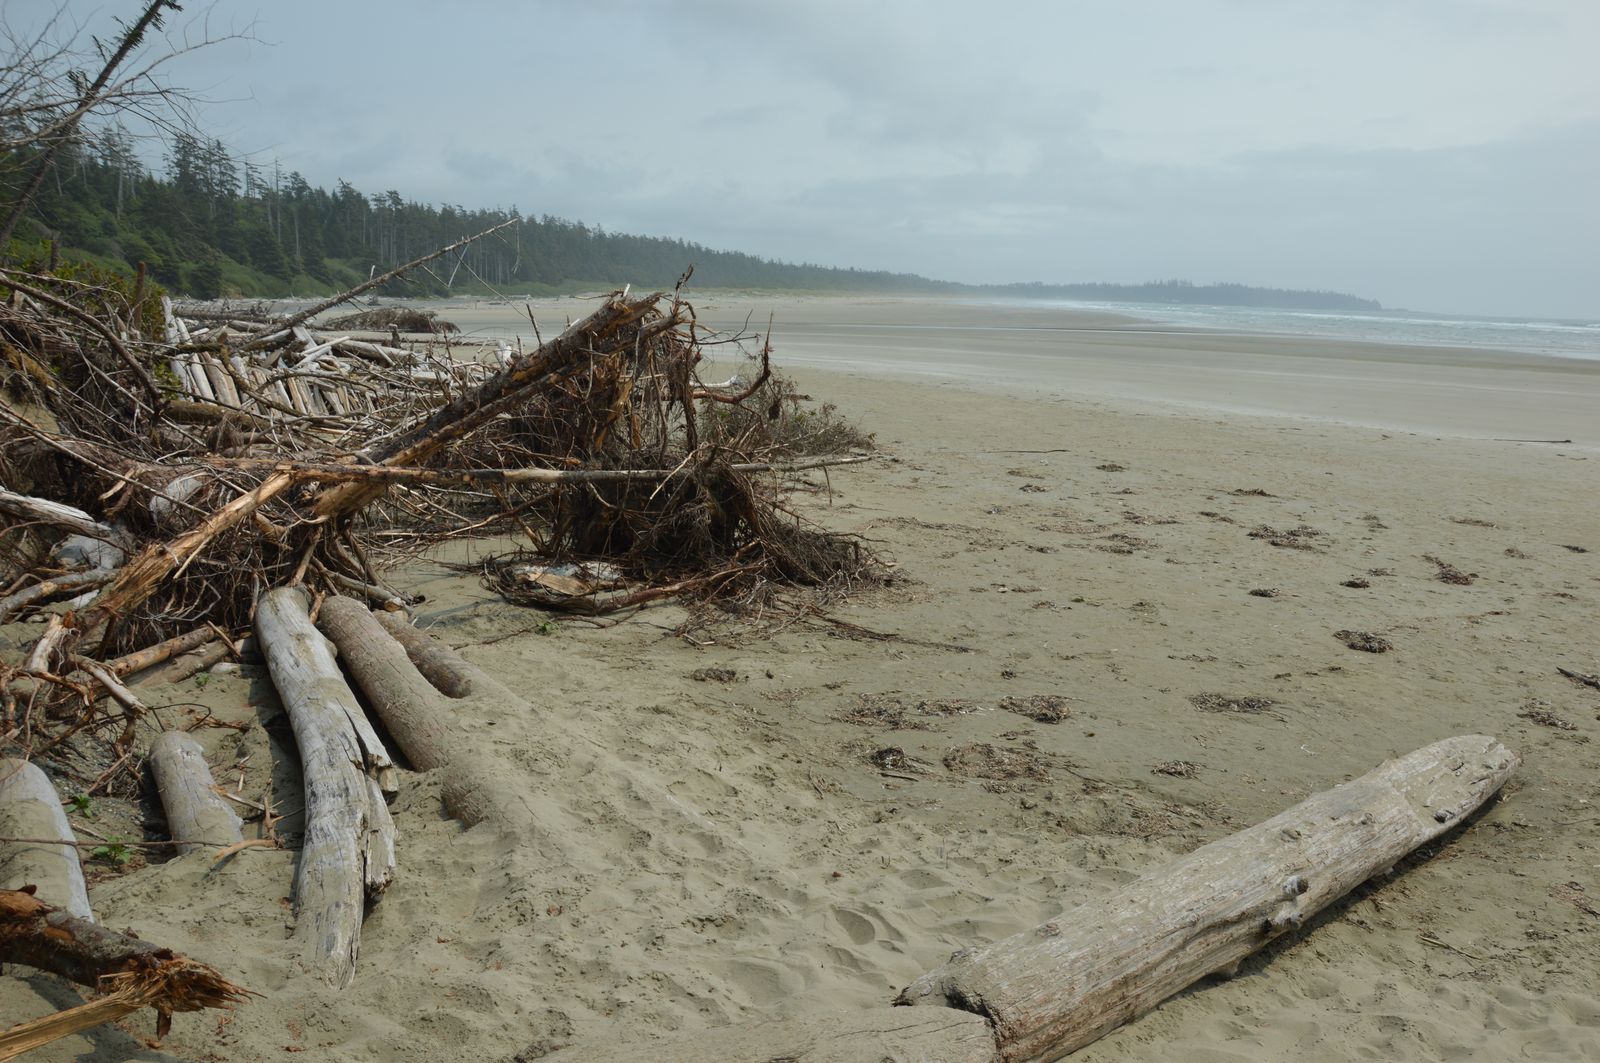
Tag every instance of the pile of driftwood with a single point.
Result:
(156, 485)
(172, 482)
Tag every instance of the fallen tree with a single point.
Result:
(1054, 988)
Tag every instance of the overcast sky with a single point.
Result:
(1433, 154)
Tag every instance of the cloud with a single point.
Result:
(1436, 153)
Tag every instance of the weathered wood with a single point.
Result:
(30, 807)
(44, 511)
(348, 853)
(135, 973)
(139, 579)
(49, 588)
(441, 665)
(1053, 989)
(875, 1035)
(150, 656)
(196, 817)
(182, 666)
(405, 701)
(472, 409)
(424, 721)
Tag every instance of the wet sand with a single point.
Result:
(1070, 523)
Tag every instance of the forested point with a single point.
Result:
(211, 225)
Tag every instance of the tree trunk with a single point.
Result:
(426, 724)
(348, 853)
(30, 809)
(1053, 989)
(196, 817)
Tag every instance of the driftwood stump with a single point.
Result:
(47, 857)
(1053, 989)
(348, 854)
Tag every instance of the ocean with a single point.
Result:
(1560, 338)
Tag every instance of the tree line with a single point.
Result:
(209, 224)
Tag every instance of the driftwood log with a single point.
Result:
(196, 816)
(425, 693)
(135, 974)
(184, 665)
(45, 855)
(348, 854)
(1051, 990)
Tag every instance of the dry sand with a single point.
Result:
(1072, 515)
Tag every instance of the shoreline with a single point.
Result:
(1462, 392)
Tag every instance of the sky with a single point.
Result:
(1433, 154)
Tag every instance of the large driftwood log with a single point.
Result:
(47, 857)
(425, 722)
(1053, 989)
(348, 853)
(135, 973)
(196, 816)
(874, 1035)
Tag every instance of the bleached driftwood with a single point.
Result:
(874, 1035)
(348, 853)
(30, 809)
(1053, 989)
(196, 816)
(425, 720)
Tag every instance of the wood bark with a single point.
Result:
(196, 817)
(441, 665)
(134, 972)
(348, 854)
(1053, 989)
(30, 807)
(428, 725)
(874, 1035)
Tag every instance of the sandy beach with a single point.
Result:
(1079, 508)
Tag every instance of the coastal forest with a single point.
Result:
(208, 224)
